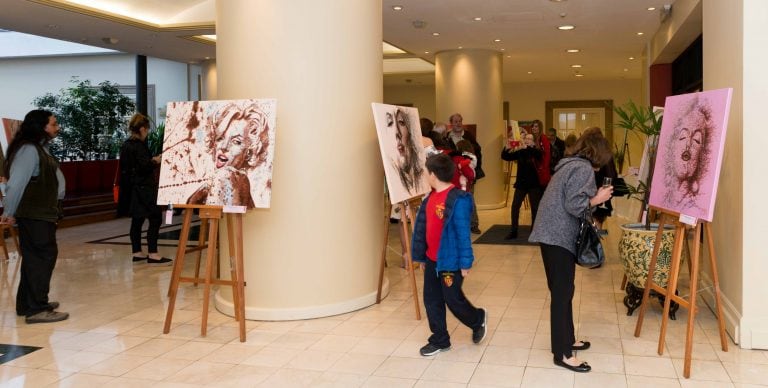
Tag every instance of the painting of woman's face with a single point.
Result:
(231, 144)
(687, 147)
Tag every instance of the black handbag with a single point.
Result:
(589, 249)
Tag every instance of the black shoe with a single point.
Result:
(163, 261)
(479, 334)
(431, 350)
(581, 368)
(511, 235)
(46, 317)
(475, 230)
(139, 259)
(585, 345)
(51, 306)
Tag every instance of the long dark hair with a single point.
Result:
(32, 131)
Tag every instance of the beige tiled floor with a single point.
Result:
(114, 336)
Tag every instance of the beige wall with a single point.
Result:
(421, 96)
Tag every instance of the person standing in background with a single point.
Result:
(138, 193)
(556, 149)
(457, 134)
(527, 181)
(35, 189)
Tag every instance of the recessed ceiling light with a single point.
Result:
(497, 40)
(572, 50)
(207, 58)
(509, 56)
(478, 19)
(530, 72)
(640, 34)
(426, 52)
(461, 47)
(651, 8)
(502, 49)
(579, 75)
(435, 34)
(626, 69)
(575, 66)
(397, 7)
(566, 27)
(631, 58)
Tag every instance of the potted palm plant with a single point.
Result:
(637, 239)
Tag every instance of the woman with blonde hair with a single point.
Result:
(570, 193)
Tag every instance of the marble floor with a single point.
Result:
(114, 335)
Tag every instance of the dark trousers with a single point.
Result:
(439, 292)
(534, 197)
(37, 240)
(560, 267)
(155, 219)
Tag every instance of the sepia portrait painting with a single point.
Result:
(218, 153)
(403, 156)
(690, 153)
(10, 127)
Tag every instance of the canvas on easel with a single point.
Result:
(690, 153)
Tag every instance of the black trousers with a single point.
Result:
(534, 197)
(37, 240)
(441, 290)
(155, 219)
(560, 267)
(474, 221)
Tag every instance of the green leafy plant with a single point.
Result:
(644, 123)
(92, 119)
(155, 139)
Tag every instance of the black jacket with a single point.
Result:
(138, 180)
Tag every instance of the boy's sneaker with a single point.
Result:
(431, 350)
(479, 334)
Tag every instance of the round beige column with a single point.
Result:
(470, 82)
(315, 252)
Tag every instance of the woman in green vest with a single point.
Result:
(33, 193)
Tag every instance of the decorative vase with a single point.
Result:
(635, 251)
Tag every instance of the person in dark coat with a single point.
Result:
(527, 181)
(138, 191)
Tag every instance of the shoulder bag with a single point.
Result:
(589, 249)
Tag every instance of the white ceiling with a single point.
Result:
(606, 31)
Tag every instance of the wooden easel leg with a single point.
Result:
(409, 265)
(240, 285)
(692, 301)
(649, 279)
(178, 266)
(233, 267)
(212, 238)
(716, 286)
(674, 275)
(200, 242)
(387, 211)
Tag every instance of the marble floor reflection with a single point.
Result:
(114, 335)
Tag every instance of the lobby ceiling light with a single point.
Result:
(576, 66)
(651, 8)
(426, 52)
(625, 69)
(478, 19)
(640, 34)
(397, 7)
(579, 75)
(502, 49)
(631, 58)
(572, 51)
(460, 47)
(565, 27)
(435, 34)
(530, 72)
(497, 40)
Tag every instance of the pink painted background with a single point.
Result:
(690, 153)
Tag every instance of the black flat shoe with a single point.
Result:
(585, 345)
(581, 368)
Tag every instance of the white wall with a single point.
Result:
(23, 79)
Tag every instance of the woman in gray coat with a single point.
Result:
(570, 192)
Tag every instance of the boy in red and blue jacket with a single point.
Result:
(442, 241)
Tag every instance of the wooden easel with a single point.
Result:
(212, 215)
(669, 292)
(405, 207)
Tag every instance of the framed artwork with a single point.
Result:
(10, 127)
(690, 153)
(402, 154)
(218, 153)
